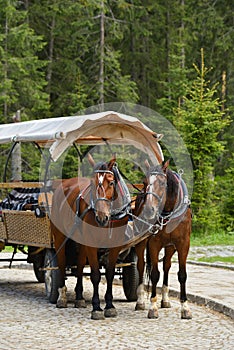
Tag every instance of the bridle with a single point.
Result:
(182, 197)
(93, 200)
(101, 176)
(149, 191)
(115, 214)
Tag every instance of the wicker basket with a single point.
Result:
(23, 227)
(3, 235)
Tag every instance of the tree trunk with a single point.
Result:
(16, 156)
(102, 44)
(51, 54)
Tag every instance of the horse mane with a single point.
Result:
(172, 187)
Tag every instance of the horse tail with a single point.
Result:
(148, 267)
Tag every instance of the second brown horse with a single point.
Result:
(164, 201)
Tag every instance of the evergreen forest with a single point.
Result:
(175, 57)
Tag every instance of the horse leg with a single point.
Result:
(140, 250)
(60, 251)
(154, 248)
(95, 276)
(169, 252)
(81, 261)
(110, 310)
(182, 277)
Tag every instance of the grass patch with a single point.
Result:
(212, 239)
(214, 259)
(8, 249)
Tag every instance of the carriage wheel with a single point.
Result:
(40, 275)
(131, 277)
(52, 277)
(37, 259)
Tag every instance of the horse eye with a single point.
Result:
(111, 183)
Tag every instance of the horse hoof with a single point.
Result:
(61, 304)
(153, 314)
(110, 312)
(80, 304)
(186, 315)
(140, 306)
(165, 304)
(97, 315)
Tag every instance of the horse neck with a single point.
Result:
(172, 193)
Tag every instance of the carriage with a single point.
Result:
(25, 212)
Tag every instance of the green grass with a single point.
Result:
(214, 259)
(8, 249)
(212, 239)
(219, 239)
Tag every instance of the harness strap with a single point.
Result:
(91, 206)
(182, 203)
(125, 209)
(121, 212)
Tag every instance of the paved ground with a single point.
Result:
(206, 285)
(28, 321)
(208, 251)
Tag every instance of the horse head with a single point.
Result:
(155, 191)
(103, 190)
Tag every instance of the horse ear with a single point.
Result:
(147, 164)
(112, 161)
(165, 165)
(91, 160)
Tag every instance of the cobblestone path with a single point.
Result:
(28, 321)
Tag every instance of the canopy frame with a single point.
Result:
(94, 129)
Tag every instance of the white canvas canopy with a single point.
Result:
(93, 129)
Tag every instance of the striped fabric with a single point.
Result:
(21, 199)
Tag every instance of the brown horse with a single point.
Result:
(165, 203)
(90, 210)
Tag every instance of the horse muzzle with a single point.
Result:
(102, 210)
(150, 212)
(102, 221)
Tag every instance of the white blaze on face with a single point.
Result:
(152, 179)
(100, 182)
(101, 178)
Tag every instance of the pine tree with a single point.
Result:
(21, 72)
(110, 84)
(200, 119)
(84, 65)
